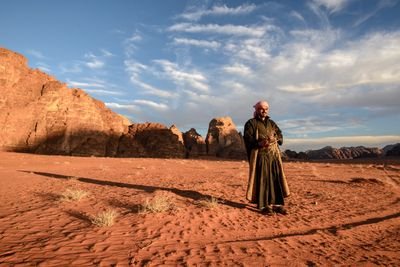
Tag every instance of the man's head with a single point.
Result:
(261, 109)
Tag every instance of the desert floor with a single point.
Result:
(339, 214)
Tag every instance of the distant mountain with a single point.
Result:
(359, 152)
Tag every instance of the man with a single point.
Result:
(267, 185)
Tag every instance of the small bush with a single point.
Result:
(73, 195)
(157, 204)
(105, 218)
(210, 203)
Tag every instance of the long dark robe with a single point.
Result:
(267, 182)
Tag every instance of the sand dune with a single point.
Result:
(339, 214)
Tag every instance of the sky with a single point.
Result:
(330, 69)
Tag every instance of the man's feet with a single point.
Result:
(280, 209)
(267, 210)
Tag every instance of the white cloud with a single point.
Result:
(381, 4)
(200, 43)
(219, 11)
(315, 125)
(136, 37)
(103, 92)
(130, 44)
(123, 107)
(238, 69)
(152, 104)
(194, 79)
(106, 53)
(95, 86)
(300, 88)
(70, 67)
(151, 90)
(227, 29)
(43, 67)
(297, 15)
(35, 53)
(251, 50)
(332, 6)
(135, 69)
(94, 61)
(85, 84)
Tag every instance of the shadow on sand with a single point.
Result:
(191, 194)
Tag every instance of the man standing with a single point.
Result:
(267, 185)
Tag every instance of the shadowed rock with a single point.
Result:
(194, 143)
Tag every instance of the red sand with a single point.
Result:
(339, 214)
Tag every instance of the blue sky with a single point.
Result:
(330, 69)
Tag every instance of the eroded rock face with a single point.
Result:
(223, 139)
(39, 114)
(151, 140)
(194, 144)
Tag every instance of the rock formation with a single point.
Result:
(39, 114)
(289, 154)
(151, 140)
(194, 144)
(223, 139)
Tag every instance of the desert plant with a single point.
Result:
(210, 203)
(105, 218)
(73, 195)
(157, 204)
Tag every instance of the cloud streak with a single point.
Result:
(219, 10)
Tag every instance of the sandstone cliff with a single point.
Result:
(39, 114)
(223, 139)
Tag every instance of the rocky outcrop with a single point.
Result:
(223, 139)
(289, 154)
(194, 143)
(329, 152)
(39, 114)
(392, 151)
(151, 140)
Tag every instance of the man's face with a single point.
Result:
(262, 111)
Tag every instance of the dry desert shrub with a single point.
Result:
(73, 195)
(158, 204)
(105, 218)
(210, 203)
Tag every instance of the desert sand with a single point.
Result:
(339, 214)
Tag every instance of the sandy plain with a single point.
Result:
(344, 214)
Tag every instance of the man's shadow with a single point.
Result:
(191, 194)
